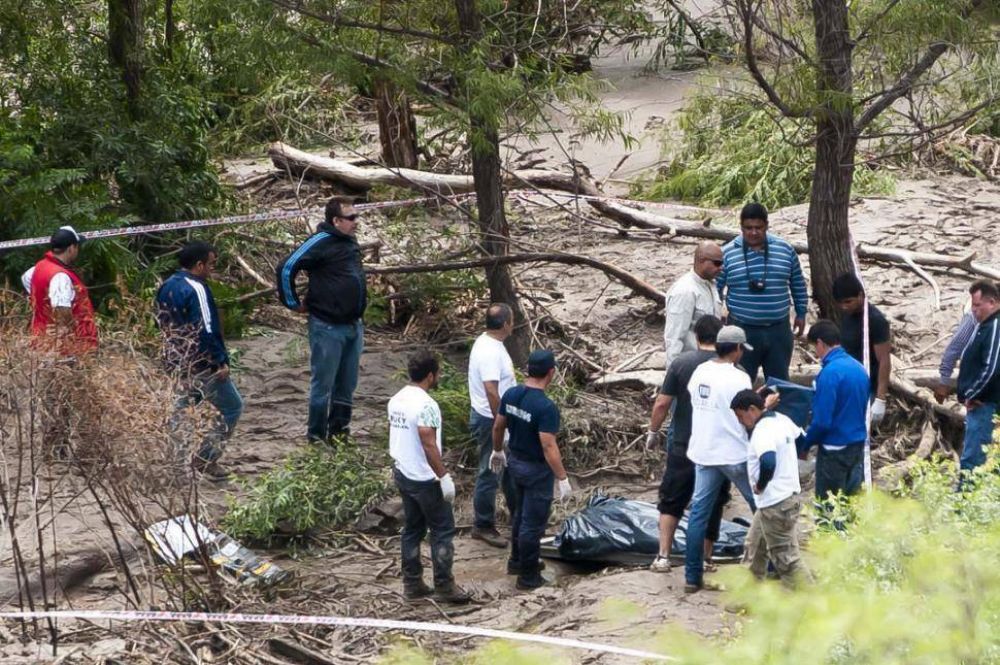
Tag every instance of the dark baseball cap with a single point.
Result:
(540, 362)
(65, 236)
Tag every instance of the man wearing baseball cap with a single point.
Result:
(718, 443)
(63, 316)
(535, 463)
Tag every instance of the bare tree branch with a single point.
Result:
(341, 22)
(746, 13)
(866, 32)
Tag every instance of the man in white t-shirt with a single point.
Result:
(491, 374)
(425, 486)
(773, 471)
(718, 443)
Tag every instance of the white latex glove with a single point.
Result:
(447, 487)
(498, 460)
(878, 411)
(565, 489)
(652, 440)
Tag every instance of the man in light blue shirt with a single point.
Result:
(761, 279)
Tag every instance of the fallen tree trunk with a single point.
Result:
(635, 284)
(298, 162)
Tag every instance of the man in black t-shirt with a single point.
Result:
(677, 485)
(850, 298)
(532, 419)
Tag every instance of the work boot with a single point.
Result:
(489, 535)
(416, 590)
(212, 471)
(530, 582)
(514, 567)
(452, 593)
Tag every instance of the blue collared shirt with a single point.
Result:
(782, 275)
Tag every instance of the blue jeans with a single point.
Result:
(335, 354)
(772, 349)
(224, 397)
(708, 481)
(978, 435)
(484, 498)
(533, 483)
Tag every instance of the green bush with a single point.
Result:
(315, 488)
(733, 150)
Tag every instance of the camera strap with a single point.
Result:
(746, 264)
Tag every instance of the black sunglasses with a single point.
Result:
(715, 262)
(350, 218)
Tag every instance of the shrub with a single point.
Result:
(315, 488)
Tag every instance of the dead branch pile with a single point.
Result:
(977, 155)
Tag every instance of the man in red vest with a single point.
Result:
(63, 317)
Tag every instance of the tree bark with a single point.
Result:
(827, 228)
(170, 29)
(397, 127)
(125, 46)
(487, 176)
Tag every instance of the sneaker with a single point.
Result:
(710, 567)
(452, 594)
(416, 590)
(490, 536)
(530, 583)
(514, 567)
(211, 470)
(661, 564)
(706, 585)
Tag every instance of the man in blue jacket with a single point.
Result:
(979, 375)
(335, 302)
(839, 414)
(194, 349)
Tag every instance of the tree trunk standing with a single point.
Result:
(170, 32)
(125, 46)
(827, 229)
(486, 173)
(397, 128)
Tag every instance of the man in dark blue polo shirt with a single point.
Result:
(761, 279)
(532, 419)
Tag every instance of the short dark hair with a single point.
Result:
(986, 289)
(723, 349)
(824, 330)
(194, 252)
(746, 398)
(707, 328)
(754, 211)
(335, 208)
(421, 364)
(847, 286)
(497, 315)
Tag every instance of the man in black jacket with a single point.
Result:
(335, 301)
(979, 375)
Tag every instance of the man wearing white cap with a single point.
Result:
(63, 316)
(718, 443)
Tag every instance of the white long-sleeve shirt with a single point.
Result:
(61, 293)
(690, 298)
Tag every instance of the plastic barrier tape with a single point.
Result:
(295, 619)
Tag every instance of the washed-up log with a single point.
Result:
(637, 285)
(298, 162)
(890, 475)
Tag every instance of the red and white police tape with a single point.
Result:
(298, 619)
(523, 195)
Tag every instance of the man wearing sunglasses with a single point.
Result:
(761, 279)
(691, 297)
(335, 302)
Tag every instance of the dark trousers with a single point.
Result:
(839, 470)
(484, 498)
(424, 508)
(533, 483)
(772, 349)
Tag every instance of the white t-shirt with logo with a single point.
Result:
(409, 409)
(717, 437)
(775, 433)
(489, 361)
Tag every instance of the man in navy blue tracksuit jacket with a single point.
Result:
(839, 414)
(335, 301)
(979, 375)
(195, 350)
